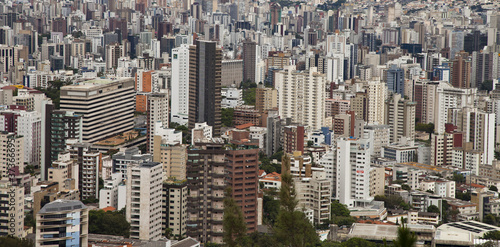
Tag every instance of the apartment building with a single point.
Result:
(315, 194)
(143, 203)
(62, 223)
(11, 154)
(174, 207)
(353, 172)
(12, 212)
(301, 96)
(89, 163)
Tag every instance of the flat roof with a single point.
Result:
(61, 205)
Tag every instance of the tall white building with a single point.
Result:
(180, 84)
(11, 154)
(27, 124)
(400, 116)
(144, 195)
(157, 114)
(376, 94)
(113, 194)
(353, 172)
(301, 96)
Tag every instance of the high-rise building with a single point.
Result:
(113, 53)
(57, 127)
(205, 61)
(106, 106)
(89, 163)
(274, 14)
(353, 172)
(266, 99)
(293, 139)
(484, 67)
(249, 60)
(461, 70)
(210, 169)
(180, 84)
(122, 160)
(173, 158)
(62, 223)
(27, 124)
(157, 114)
(400, 116)
(206, 183)
(273, 136)
(144, 196)
(12, 212)
(301, 96)
(315, 194)
(395, 80)
(478, 128)
(11, 154)
(242, 175)
(174, 207)
(145, 82)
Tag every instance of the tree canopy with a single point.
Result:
(405, 238)
(234, 224)
(109, 223)
(292, 228)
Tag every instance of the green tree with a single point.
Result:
(292, 228)
(358, 242)
(464, 196)
(493, 188)
(393, 202)
(405, 187)
(271, 209)
(433, 209)
(249, 96)
(339, 209)
(493, 235)
(458, 178)
(9, 241)
(109, 223)
(405, 238)
(429, 128)
(227, 117)
(53, 90)
(490, 219)
(234, 225)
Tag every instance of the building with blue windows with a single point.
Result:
(62, 223)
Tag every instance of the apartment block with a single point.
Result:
(89, 163)
(143, 204)
(11, 154)
(12, 203)
(301, 96)
(62, 223)
(174, 207)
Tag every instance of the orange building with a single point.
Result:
(144, 81)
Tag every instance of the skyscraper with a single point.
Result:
(395, 80)
(353, 172)
(400, 116)
(461, 70)
(180, 84)
(57, 127)
(205, 64)
(144, 195)
(302, 96)
(249, 60)
(157, 114)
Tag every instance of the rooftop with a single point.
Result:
(61, 205)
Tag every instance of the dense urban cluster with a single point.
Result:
(188, 123)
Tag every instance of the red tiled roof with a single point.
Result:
(244, 126)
